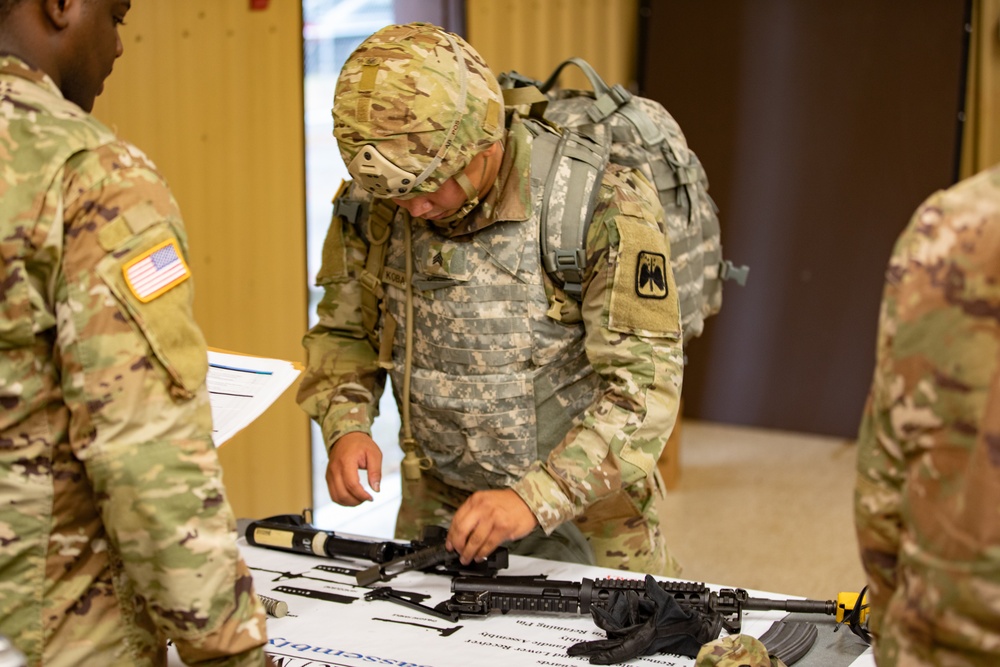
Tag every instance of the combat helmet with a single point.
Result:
(736, 651)
(413, 105)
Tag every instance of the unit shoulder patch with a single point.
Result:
(643, 297)
(651, 275)
(156, 271)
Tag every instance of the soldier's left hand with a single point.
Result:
(485, 521)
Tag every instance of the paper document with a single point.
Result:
(242, 387)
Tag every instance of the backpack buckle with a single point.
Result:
(348, 209)
(561, 259)
(605, 105)
(729, 271)
(569, 264)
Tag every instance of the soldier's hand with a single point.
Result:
(485, 521)
(269, 661)
(353, 452)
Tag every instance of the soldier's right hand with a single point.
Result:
(353, 452)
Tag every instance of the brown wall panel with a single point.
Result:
(822, 125)
(533, 36)
(212, 91)
(981, 138)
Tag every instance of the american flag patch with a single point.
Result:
(155, 271)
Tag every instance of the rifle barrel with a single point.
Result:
(800, 606)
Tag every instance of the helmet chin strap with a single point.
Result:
(471, 198)
(471, 191)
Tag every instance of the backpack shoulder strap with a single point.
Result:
(572, 164)
(375, 230)
(381, 213)
(527, 95)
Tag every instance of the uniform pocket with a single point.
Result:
(160, 305)
(479, 431)
(437, 257)
(28, 381)
(15, 306)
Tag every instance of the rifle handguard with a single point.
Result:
(478, 596)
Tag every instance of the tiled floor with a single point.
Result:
(769, 510)
(758, 509)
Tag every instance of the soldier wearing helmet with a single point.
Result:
(528, 419)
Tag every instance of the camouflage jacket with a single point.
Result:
(565, 413)
(115, 533)
(928, 483)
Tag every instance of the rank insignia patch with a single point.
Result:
(155, 271)
(651, 275)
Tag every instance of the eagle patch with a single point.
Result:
(651, 275)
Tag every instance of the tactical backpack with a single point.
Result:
(611, 123)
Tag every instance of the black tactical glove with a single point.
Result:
(644, 625)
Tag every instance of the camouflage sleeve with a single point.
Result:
(927, 453)
(633, 341)
(133, 365)
(879, 476)
(342, 383)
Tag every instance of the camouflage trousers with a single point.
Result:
(621, 532)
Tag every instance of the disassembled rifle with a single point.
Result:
(790, 640)
(478, 591)
(478, 596)
(295, 533)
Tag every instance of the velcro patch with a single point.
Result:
(643, 295)
(394, 277)
(632, 209)
(156, 271)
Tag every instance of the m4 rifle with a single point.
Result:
(295, 533)
(478, 596)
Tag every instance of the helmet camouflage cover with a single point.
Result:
(413, 105)
(736, 651)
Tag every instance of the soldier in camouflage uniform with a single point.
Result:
(928, 489)
(528, 413)
(115, 533)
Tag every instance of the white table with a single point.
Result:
(350, 631)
